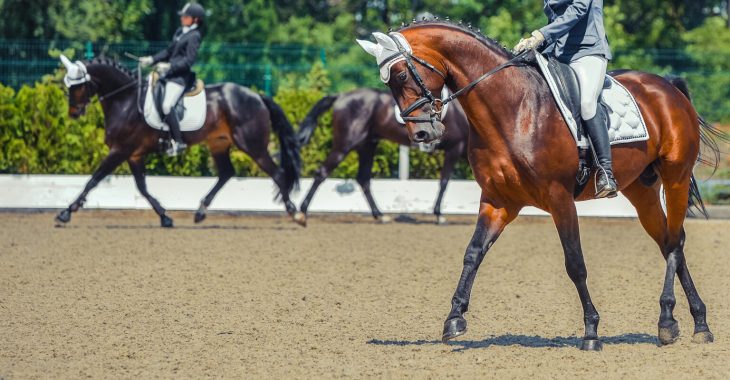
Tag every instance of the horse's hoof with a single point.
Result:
(300, 218)
(453, 328)
(440, 220)
(669, 334)
(63, 216)
(703, 337)
(383, 219)
(591, 345)
(199, 217)
(166, 221)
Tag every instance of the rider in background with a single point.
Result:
(576, 36)
(174, 66)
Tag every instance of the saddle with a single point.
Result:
(567, 89)
(158, 93)
(190, 110)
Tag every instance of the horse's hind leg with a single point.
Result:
(566, 221)
(110, 162)
(490, 224)
(646, 200)
(222, 159)
(451, 156)
(267, 164)
(366, 156)
(136, 164)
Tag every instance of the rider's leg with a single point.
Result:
(591, 71)
(173, 92)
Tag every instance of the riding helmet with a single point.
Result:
(193, 10)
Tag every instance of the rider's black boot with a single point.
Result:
(597, 130)
(177, 145)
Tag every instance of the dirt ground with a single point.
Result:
(113, 296)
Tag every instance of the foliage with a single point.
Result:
(681, 37)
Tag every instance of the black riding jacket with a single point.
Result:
(181, 55)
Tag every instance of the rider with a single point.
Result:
(173, 65)
(575, 35)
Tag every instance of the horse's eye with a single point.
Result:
(403, 76)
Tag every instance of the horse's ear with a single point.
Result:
(385, 41)
(66, 62)
(369, 47)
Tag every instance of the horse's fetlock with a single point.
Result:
(667, 300)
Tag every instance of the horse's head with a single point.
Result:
(414, 82)
(78, 82)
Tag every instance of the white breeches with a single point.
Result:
(591, 71)
(173, 92)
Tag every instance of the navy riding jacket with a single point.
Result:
(575, 29)
(181, 53)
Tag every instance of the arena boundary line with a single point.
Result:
(257, 195)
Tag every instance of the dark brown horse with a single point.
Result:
(235, 115)
(360, 119)
(522, 154)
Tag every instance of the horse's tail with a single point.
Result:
(291, 162)
(306, 130)
(709, 147)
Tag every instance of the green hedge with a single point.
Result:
(38, 137)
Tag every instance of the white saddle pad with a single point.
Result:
(627, 123)
(195, 110)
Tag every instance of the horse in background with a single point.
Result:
(236, 116)
(360, 119)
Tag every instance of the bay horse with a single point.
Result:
(522, 154)
(235, 116)
(360, 119)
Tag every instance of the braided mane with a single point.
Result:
(467, 29)
(102, 60)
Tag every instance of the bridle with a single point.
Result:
(91, 85)
(426, 94)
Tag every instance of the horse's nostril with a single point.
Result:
(420, 136)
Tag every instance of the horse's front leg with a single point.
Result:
(226, 171)
(491, 223)
(566, 220)
(451, 157)
(110, 162)
(136, 164)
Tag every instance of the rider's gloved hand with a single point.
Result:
(532, 42)
(146, 61)
(163, 68)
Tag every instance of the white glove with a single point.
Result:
(530, 43)
(146, 61)
(162, 68)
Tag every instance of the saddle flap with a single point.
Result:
(568, 85)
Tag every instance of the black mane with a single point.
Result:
(467, 29)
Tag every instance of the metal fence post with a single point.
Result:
(267, 79)
(89, 51)
(404, 165)
(323, 57)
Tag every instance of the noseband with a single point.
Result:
(427, 96)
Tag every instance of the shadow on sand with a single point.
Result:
(522, 340)
(186, 227)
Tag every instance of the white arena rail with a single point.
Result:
(257, 195)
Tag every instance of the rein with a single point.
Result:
(137, 83)
(427, 97)
(117, 91)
